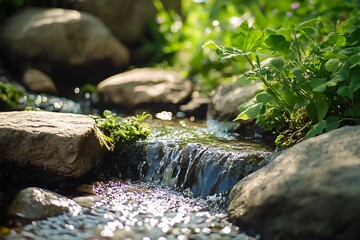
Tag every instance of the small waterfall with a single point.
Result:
(202, 169)
(192, 158)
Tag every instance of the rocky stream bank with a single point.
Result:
(187, 181)
(172, 187)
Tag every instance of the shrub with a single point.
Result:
(310, 73)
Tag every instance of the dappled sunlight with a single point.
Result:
(56, 16)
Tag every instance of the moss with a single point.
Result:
(116, 130)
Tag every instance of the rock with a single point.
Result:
(85, 188)
(146, 86)
(39, 82)
(310, 191)
(226, 99)
(59, 143)
(197, 107)
(128, 20)
(87, 201)
(53, 38)
(33, 203)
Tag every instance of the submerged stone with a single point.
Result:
(35, 203)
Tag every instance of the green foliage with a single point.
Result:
(181, 39)
(310, 73)
(117, 130)
(178, 39)
(10, 97)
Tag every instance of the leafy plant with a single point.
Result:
(310, 74)
(177, 40)
(117, 130)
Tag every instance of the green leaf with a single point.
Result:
(345, 91)
(107, 113)
(250, 113)
(316, 129)
(312, 111)
(276, 62)
(341, 75)
(246, 38)
(289, 97)
(249, 110)
(333, 65)
(224, 52)
(354, 61)
(332, 122)
(310, 23)
(210, 45)
(340, 41)
(264, 97)
(322, 108)
(318, 84)
(355, 81)
(351, 24)
(277, 43)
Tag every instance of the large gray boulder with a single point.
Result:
(60, 143)
(68, 36)
(146, 86)
(54, 38)
(310, 191)
(33, 203)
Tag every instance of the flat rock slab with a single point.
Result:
(64, 144)
(310, 191)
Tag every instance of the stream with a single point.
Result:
(174, 185)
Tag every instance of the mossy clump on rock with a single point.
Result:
(117, 130)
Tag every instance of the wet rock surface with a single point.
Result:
(66, 145)
(32, 204)
(310, 191)
(136, 211)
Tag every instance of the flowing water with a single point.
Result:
(190, 157)
(136, 211)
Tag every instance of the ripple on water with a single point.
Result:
(136, 211)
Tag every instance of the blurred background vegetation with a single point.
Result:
(175, 39)
(180, 38)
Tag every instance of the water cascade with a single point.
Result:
(191, 157)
